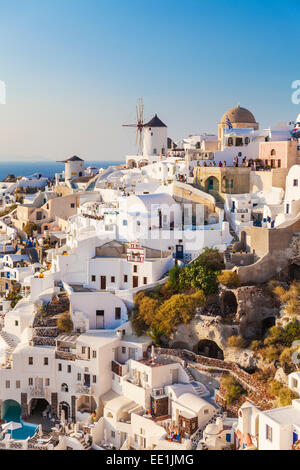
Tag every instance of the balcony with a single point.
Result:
(39, 392)
(119, 369)
(65, 356)
(84, 389)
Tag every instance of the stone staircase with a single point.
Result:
(228, 251)
(45, 328)
(8, 342)
(59, 304)
(199, 389)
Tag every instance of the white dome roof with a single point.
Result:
(211, 429)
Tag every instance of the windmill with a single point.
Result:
(139, 124)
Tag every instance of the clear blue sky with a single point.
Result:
(74, 69)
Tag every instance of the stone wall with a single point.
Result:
(257, 391)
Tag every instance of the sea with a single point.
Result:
(46, 168)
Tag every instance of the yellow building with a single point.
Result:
(222, 180)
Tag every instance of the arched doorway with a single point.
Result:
(39, 408)
(11, 411)
(266, 324)
(209, 348)
(64, 406)
(212, 184)
(229, 303)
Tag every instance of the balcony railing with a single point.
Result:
(84, 389)
(65, 356)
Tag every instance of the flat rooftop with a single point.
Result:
(285, 415)
(156, 363)
(81, 288)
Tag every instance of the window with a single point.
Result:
(30, 382)
(83, 349)
(94, 379)
(79, 377)
(16, 323)
(46, 361)
(30, 361)
(7, 384)
(294, 383)
(295, 183)
(100, 313)
(112, 279)
(269, 433)
(93, 278)
(47, 382)
(135, 268)
(113, 434)
(72, 205)
(69, 369)
(125, 278)
(123, 350)
(145, 280)
(206, 412)
(59, 367)
(125, 223)
(117, 313)
(18, 384)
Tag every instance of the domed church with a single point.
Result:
(240, 118)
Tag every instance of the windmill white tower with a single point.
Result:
(155, 137)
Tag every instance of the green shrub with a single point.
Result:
(236, 342)
(233, 389)
(64, 323)
(286, 396)
(229, 279)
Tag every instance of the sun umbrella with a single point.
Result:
(12, 426)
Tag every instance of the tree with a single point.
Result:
(229, 279)
(212, 259)
(178, 309)
(200, 277)
(64, 323)
(156, 333)
(174, 278)
(29, 228)
(148, 309)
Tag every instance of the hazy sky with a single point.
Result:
(74, 70)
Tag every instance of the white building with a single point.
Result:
(276, 429)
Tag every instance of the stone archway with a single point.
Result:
(209, 348)
(229, 304)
